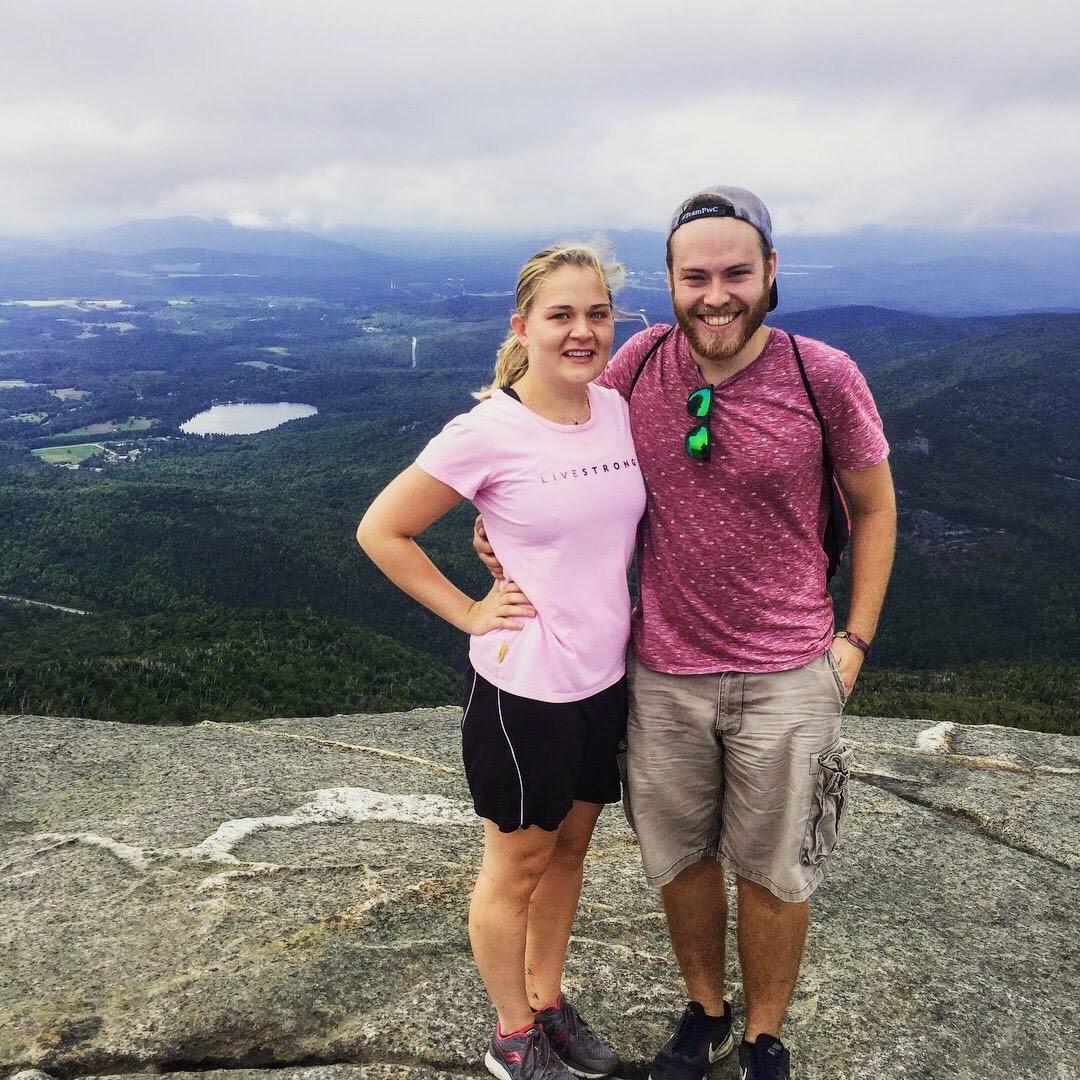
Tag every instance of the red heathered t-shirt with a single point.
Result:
(730, 561)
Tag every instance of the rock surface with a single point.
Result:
(292, 895)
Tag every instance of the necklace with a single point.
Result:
(557, 419)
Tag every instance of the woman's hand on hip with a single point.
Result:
(505, 607)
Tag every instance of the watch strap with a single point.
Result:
(858, 642)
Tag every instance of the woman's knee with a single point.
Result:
(570, 851)
(515, 863)
(575, 835)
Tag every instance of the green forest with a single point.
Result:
(224, 581)
(203, 662)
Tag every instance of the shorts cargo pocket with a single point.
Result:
(830, 806)
(627, 810)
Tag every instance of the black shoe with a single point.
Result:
(699, 1040)
(764, 1059)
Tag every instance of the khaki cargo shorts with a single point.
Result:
(743, 767)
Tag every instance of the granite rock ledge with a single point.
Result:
(290, 895)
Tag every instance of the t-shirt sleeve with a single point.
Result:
(856, 436)
(619, 373)
(459, 456)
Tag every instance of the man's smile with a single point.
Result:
(718, 321)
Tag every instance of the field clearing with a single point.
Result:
(69, 455)
(133, 423)
(262, 365)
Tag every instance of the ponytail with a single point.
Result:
(511, 362)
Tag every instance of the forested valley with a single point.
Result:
(221, 577)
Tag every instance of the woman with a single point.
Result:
(549, 461)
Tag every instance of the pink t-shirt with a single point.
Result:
(731, 565)
(561, 506)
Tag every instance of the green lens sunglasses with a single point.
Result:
(698, 405)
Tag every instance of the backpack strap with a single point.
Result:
(838, 522)
(645, 359)
(813, 404)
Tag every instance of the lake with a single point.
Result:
(245, 419)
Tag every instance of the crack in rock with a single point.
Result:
(335, 806)
(126, 853)
(614, 946)
(903, 789)
(966, 760)
(412, 759)
(330, 806)
(260, 1066)
(248, 870)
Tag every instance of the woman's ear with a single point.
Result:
(517, 325)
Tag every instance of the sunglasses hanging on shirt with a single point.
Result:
(699, 438)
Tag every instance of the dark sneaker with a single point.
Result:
(526, 1056)
(579, 1048)
(698, 1041)
(764, 1059)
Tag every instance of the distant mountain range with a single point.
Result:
(208, 234)
(932, 272)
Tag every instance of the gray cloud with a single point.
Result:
(564, 113)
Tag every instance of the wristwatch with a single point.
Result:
(847, 635)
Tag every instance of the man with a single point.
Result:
(738, 680)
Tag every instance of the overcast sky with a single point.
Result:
(551, 113)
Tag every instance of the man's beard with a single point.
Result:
(713, 347)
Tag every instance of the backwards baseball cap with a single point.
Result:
(734, 202)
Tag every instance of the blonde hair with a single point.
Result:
(512, 360)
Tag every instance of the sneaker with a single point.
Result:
(764, 1059)
(578, 1047)
(699, 1040)
(524, 1056)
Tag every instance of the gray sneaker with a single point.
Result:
(526, 1056)
(579, 1048)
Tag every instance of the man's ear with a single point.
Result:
(774, 261)
(517, 325)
